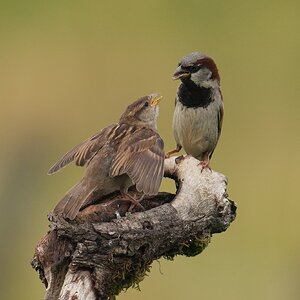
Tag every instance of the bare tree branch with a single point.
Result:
(105, 250)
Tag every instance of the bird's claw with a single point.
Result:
(204, 165)
(169, 153)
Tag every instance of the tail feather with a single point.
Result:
(71, 203)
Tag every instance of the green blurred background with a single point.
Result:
(69, 68)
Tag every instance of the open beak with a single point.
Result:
(155, 99)
(180, 74)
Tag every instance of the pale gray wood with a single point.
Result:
(78, 286)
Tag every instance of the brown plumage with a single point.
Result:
(128, 153)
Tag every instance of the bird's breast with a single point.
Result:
(196, 129)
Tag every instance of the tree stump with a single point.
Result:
(106, 249)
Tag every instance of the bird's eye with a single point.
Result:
(194, 68)
(146, 104)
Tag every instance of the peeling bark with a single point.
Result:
(105, 250)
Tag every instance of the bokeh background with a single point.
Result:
(69, 68)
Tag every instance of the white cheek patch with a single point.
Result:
(208, 83)
(202, 77)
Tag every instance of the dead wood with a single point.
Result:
(105, 250)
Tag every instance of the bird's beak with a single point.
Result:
(179, 74)
(155, 99)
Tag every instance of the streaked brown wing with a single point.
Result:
(84, 151)
(141, 157)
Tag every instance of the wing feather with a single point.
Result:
(84, 151)
(220, 119)
(141, 157)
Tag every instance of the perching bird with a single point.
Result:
(199, 109)
(121, 155)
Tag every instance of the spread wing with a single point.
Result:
(84, 151)
(141, 157)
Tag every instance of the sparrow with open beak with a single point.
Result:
(121, 155)
(199, 109)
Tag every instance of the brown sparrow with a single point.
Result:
(121, 155)
(199, 110)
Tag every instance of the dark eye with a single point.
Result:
(194, 68)
(146, 104)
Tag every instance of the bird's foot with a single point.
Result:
(167, 155)
(176, 150)
(135, 202)
(204, 165)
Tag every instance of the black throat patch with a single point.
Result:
(191, 95)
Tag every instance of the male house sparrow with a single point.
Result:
(119, 156)
(198, 114)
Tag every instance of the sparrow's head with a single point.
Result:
(199, 68)
(143, 112)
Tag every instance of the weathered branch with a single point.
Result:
(105, 250)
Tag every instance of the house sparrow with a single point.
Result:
(121, 155)
(199, 110)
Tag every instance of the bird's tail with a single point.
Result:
(71, 203)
